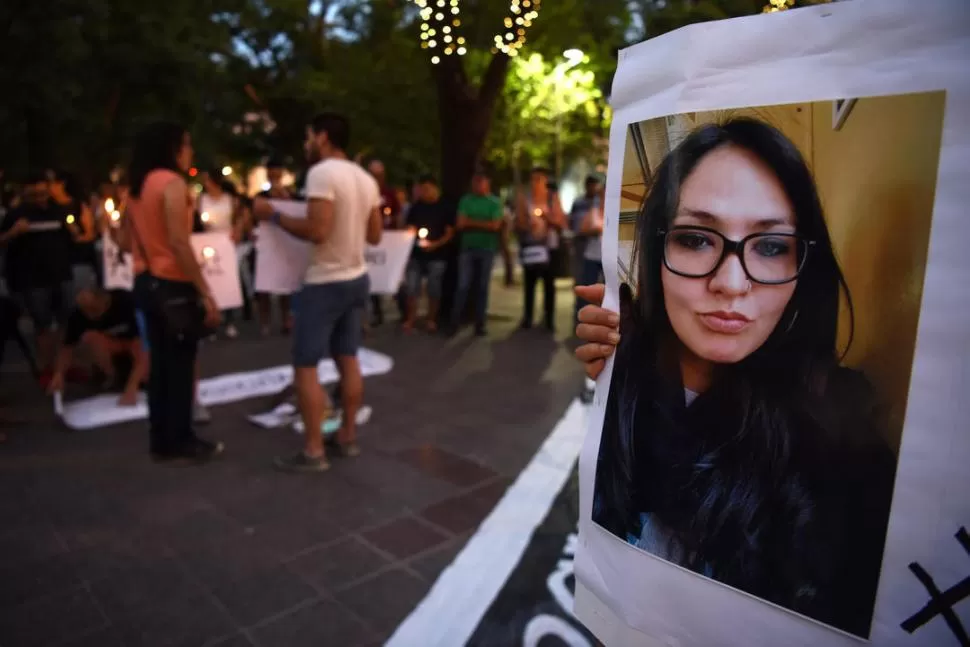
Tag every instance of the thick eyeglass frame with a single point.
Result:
(735, 247)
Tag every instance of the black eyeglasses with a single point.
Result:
(767, 258)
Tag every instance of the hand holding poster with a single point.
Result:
(776, 454)
(282, 259)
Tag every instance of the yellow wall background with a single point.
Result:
(876, 176)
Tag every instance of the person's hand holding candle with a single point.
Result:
(423, 241)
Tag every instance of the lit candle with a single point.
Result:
(115, 216)
(537, 212)
(109, 205)
(423, 233)
(227, 170)
(70, 218)
(205, 216)
(208, 252)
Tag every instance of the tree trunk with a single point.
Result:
(466, 115)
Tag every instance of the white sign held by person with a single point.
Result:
(282, 259)
(216, 254)
(119, 269)
(750, 477)
(387, 261)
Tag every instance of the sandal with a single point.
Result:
(301, 463)
(345, 450)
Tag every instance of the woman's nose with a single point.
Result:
(730, 277)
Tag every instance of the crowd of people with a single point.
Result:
(148, 338)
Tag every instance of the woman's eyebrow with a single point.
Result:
(707, 216)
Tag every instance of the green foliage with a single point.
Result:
(546, 105)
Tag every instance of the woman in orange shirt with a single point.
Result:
(161, 222)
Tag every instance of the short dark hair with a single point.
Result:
(156, 147)
(427, 178)
(35, 177)
(275, 162)
(593, 179)
(336, 126)
(541, 169)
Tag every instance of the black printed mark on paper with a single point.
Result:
(941, 603)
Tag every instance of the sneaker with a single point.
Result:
(301, 463)
(231, 332)
(200, 414)
(201, 451)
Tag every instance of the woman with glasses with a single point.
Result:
(734, 444)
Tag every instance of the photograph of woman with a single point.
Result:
(735, 442)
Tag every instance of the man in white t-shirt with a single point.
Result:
(343, 216)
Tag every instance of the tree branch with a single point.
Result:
(493, 81)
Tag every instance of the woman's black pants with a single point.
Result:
(533, 274)
(171, 383)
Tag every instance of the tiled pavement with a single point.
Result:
(100, 548)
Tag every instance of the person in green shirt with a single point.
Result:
(480, 217)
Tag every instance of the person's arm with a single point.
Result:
(444, 240)
(523, 219)
(19, 226)
(178, 235)
(558, 217)
(592, 223)
(139, 371)
(76, 325)
(87, 232)
(375, 227)
(315, 228)
(61, 363)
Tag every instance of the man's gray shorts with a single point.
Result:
(328, 320)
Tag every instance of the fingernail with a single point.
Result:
(614, 319)
(614, 338)
(607, 350)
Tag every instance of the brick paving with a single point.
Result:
(101, 548)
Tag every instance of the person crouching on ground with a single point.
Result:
(105, 323)
(343, 215)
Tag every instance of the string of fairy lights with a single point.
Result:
(441, 20)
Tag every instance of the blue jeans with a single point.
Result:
(474, 277)
(327, 320)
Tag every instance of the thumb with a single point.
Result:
(591, 293)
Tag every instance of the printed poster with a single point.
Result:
(777, 451)
(216, 253)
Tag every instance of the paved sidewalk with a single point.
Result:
(100, 548)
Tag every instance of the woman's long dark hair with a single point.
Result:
(740, 480)
(156, 147)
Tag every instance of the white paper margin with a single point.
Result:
(852, 49)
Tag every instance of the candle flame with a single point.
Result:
(423, 232)
(109, 205)
(115, 216)
(70, 218)
(205, 216)
(208, 252)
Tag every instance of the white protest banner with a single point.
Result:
(216, 254)
(387, 261)
(749, 476)
(103, 410)
(281, 259)
(119, 269)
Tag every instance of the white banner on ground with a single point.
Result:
(691, 532)
(119, 269)
(103, 410)
(216, 254)
(281, 259)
